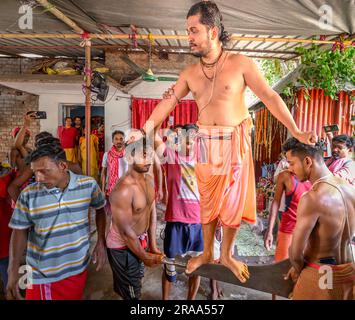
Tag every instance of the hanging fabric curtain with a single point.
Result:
(185, 112)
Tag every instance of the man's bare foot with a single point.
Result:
(195, 262)
(239, 269)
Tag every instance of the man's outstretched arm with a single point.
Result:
(163, 109)
(256, 82)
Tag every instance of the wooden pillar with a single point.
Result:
(88, 105)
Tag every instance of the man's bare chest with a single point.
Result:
(143, 197)
(227, 83)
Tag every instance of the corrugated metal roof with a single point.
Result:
(167, 17)
(71, 47)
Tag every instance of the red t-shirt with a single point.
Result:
(67, 137)
(5, 216)
(184, 198)
(289, 216)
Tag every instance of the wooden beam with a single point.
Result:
(60, 15)
(144, 37)
(142, 48)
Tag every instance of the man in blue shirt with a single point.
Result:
(51, 219)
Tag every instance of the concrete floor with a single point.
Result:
(99, 284)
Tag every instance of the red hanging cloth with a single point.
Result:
(185, 112)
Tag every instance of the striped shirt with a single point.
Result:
(58, 223)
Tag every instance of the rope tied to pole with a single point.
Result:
(86, 36)
(88, 72)
(133, 36)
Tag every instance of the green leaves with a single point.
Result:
(329, 70)
(274, 70)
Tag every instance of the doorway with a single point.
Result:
(97, 114)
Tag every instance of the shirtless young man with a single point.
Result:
(20, 149)
(133, 216)
(218, 82)
(324, 229)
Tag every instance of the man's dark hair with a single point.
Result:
(303, 150)
(48, 140)
(343, 138)
(190, 126)
(117, 132)
(65, 119)
(178, 126)
(211, 17)
(42, 135)
(51, 150)
(77, 117)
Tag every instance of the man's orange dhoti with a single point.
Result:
(225, 174)
(336, 282)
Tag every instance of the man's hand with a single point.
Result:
(28, 118)
(134, 135)
(153, 259)
(330, 135)
(160, 195)
(169, 92)
(307, 137)
(268, 240)
(154, 249)
(292, 274)
(12, 289)
(99, 255)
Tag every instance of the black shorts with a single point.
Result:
(128, 272)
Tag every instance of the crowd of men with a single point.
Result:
(49, 214)
(51, 200)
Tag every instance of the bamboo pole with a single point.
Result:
(60, 15)
(104, 36)
(87, 44)
(128, 47)
(88, 106)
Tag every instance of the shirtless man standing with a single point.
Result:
(224, 168)
(20, 149)
(324, 229)
(133, 216)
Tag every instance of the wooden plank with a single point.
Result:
(266, 278)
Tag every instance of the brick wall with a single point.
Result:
(17, 65)
(14, 104)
